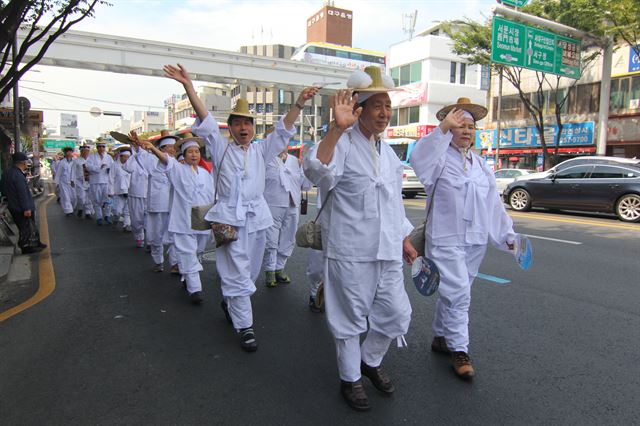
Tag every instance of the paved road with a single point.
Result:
(118, 344)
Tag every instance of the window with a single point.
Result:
(416, 71)
(452, 73)
(404, 116)
(576, 172)
(587, 98)
(463, 73)
(500, 174)
(356, 56)
(342, 54)
(406, 74)
(607, 172)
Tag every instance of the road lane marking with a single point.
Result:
(497, 280)
(631, 227)
(46, 277)
(553, 239)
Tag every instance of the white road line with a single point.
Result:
(575, 243)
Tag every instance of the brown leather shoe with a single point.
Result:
(379, 378)
(462, 365)
(439, 345)
(354, 394)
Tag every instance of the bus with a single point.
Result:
(402, 147)
(337, 55)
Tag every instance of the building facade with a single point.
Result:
(430, 76)
(216, 98)
(331, 25)
(147, 121)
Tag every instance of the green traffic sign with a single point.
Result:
(59, 143)
(524, 46)
(515, 3)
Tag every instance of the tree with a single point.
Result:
(624, 17)
(472, 41)
(40, 20)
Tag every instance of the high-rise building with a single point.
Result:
(330, 25)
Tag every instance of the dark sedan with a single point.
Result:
(606, 188)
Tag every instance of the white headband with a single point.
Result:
(125, 151)
(180, 157)
(166, 141)
(467, 114)
(363, 96)
(187, 145)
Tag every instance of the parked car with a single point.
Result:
(587, 159)
(411, 186)
(505, 176)
(597, 187)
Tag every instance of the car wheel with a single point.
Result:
(628, 208)
(410, 194)
(520, 200)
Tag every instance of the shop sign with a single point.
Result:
(58, 144)
(411, 94)
(519, 137)
(411, 131)
(634, 61)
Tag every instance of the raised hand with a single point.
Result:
(306, 94)
(178, 73)
(343, 109)
(454, 119)
(134, 138)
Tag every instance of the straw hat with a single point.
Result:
(241, 109)
(120, 137)
(187, 138)
(477, 111)
(371, 80)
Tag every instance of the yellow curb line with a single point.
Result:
(576, 221)
(46, 277)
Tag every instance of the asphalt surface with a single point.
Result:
(118, 344)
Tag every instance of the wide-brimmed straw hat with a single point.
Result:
(370, 80)
(478, 112)
(188, 137)
(241, 109)
(120, 137)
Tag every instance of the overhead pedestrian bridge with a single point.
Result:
(104, 52)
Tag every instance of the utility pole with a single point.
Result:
(16, 102)
(499, 121)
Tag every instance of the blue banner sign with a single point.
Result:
(527, 137)
(634, 61)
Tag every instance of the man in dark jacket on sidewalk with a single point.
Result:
(21, 206)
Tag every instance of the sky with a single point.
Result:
(218, 24)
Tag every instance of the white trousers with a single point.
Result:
(315, 270)
(99, 195)
(458, 267)
(361, 296)
(137, 207)
(67, 197)
(121, 208)
(349, 353)
(238, 264)
(280, 237)
(156, 226)
(83, 200)
(186, 246)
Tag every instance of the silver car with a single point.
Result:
(411, 186)
(505, 176)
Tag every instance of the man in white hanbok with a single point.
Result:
(81, 184)
(467, 213)
(98, 164)
(241, 203)
(64, 180)
(137, 198)
(364, 234)
(158, 202)
(120, 181)
(284, 182)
